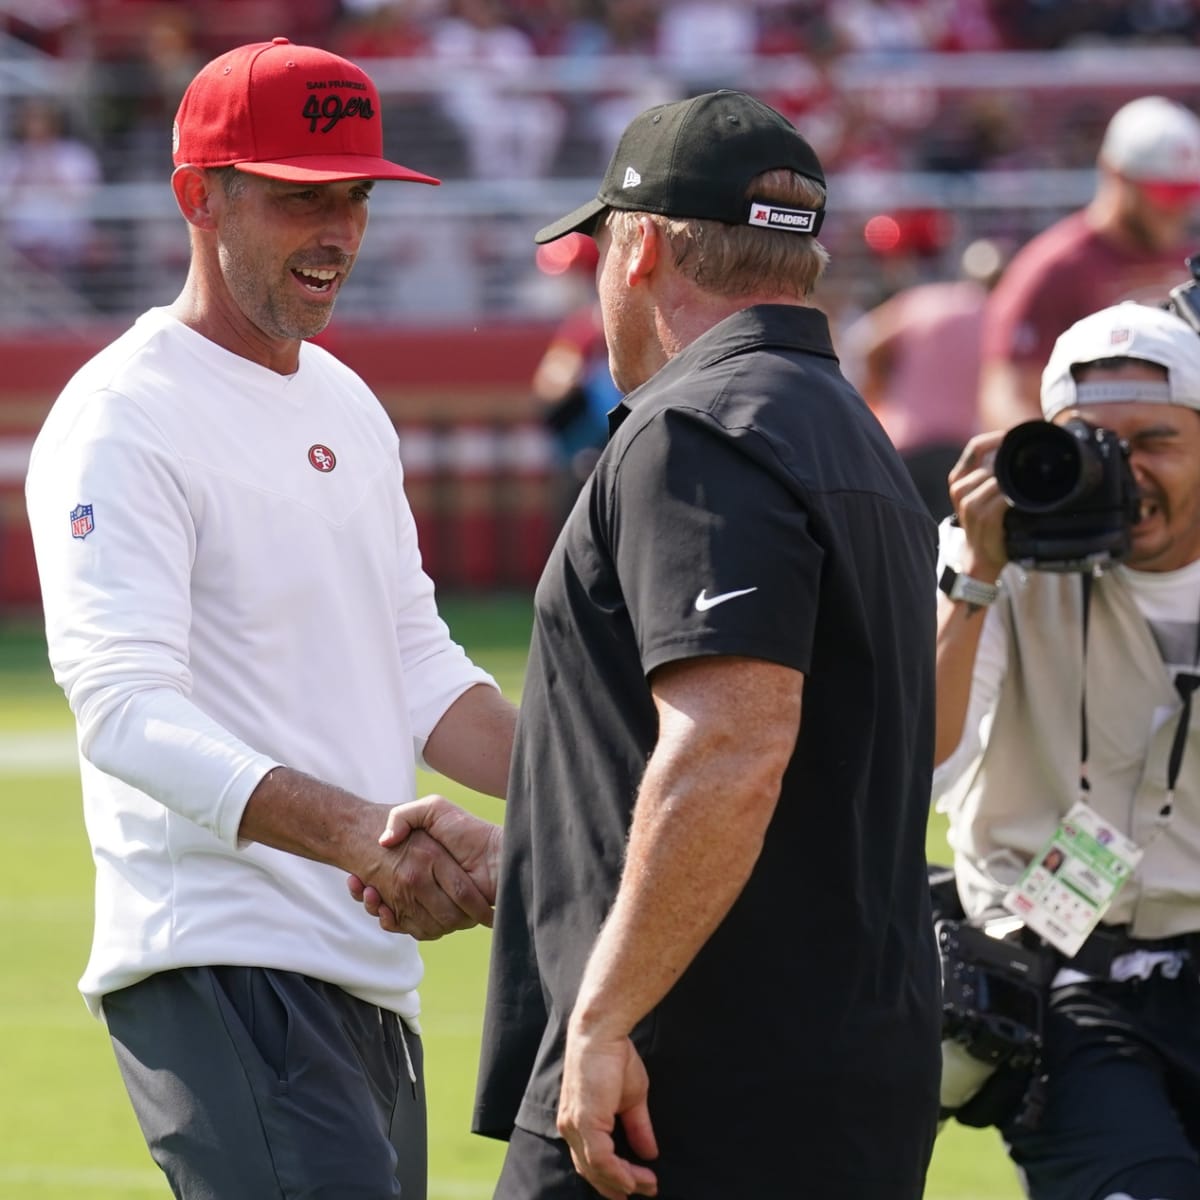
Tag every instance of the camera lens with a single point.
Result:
(1039, 466)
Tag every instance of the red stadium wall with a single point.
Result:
(477, 467)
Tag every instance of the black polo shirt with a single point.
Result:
(748, 503)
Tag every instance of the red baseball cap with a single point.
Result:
(287, 112)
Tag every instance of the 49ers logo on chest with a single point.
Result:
(322, 458)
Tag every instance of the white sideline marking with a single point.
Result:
(36, 753)
(84, 1178)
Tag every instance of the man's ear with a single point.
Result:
(194, 193)
(644, 256)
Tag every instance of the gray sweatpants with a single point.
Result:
(257, 1084)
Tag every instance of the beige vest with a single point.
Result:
(1011, 798)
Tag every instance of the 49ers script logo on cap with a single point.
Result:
(321, 457)
(331, 108)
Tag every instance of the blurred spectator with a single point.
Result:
(984, 131)
(49, 26)
(139, 86)
(630, 31)
(1053, 24)
(882, 26)
(571, 384)
(47, 180)
(707, 44)
(969, 26)
(915, 359)
(1127, 244)
(631, 27)
(509, 131)
(811, 98)
(383, 29)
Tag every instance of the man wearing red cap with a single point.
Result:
(1128, 243)
(236, 610)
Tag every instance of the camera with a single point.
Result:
(1073, 496)
(992, 994)
(993, 1010)
(1184, 300)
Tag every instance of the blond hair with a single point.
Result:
(742, 260)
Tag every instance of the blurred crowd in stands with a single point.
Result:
(503, 92)
(137, 56)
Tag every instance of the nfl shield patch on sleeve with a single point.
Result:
(81, 521)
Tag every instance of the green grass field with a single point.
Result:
(68, 1132)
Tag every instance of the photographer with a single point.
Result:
(1066, 684)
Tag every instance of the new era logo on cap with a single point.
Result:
(632, 178)
(288, 112)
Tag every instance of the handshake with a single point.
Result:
(433, 870)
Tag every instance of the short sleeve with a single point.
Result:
(713, 545)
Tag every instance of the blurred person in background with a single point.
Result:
(915, 358)
(48, 179)
(138, 82)
(707, 44)
(510, 131)
(1129, 243)
(236, 610)
(572, 385)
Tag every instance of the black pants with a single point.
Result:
(1122, 1116)
(540, 1168)
(255, 1084)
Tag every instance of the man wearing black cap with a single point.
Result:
(713, 972)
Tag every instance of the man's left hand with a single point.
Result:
(605, 1080)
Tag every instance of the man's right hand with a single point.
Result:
(438, 872)
(979, 506)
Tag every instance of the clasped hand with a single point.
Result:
(980, 506)
(435, 872)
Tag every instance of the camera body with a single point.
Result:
(1073, 496)
(1184, 300)
(992, 994)
(993, 1010)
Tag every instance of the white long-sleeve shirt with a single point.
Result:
(231, 581)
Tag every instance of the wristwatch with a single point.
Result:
(971, 591)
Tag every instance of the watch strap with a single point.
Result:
(962, 587)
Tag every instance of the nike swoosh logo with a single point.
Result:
(704, 603)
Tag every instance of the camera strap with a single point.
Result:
(1186, 683)
(1084, 783)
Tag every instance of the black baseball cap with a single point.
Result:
(696, 158)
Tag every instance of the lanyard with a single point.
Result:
(1186, 683)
